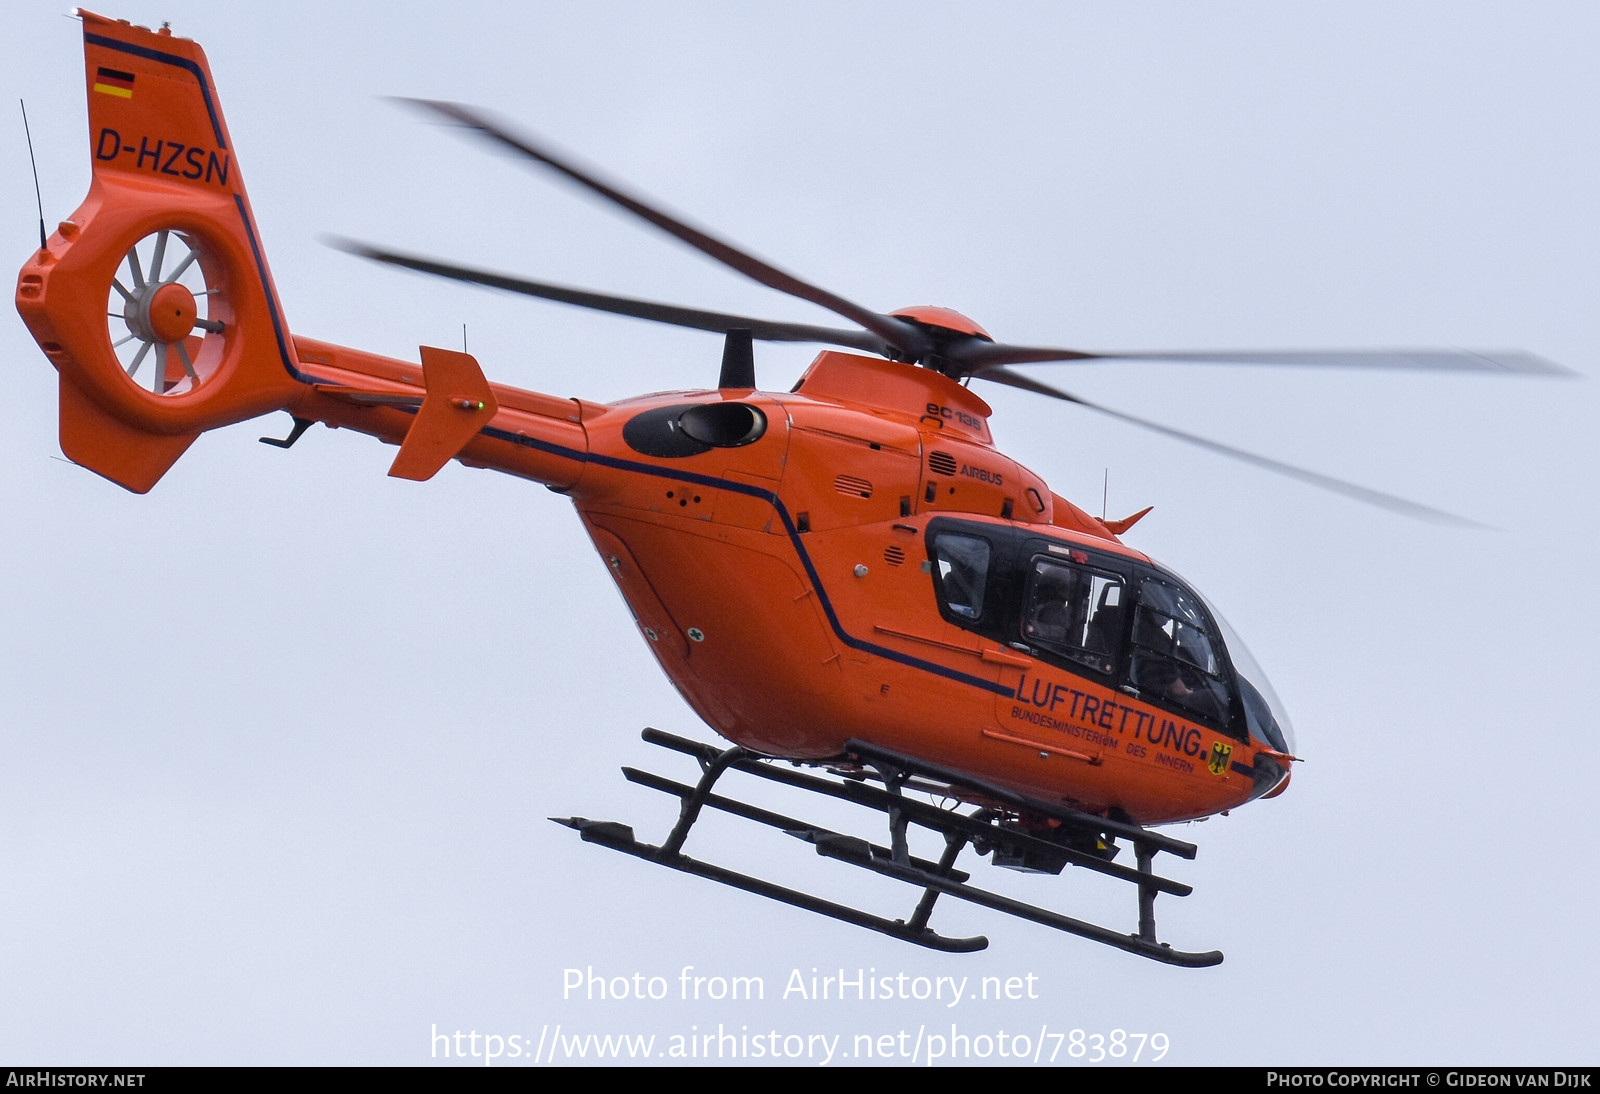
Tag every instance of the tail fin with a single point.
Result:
(166, 244)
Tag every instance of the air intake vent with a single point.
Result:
(856, 488)
(894, 556)
(942, 463)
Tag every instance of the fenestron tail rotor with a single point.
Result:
(154, 300)
(154, 314)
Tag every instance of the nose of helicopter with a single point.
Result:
(1266, 718)
(1265, 715)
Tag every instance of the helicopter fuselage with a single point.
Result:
(850, 560)
(780, 554)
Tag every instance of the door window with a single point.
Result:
(961, 568)
(1075, 612)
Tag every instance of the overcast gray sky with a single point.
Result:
(278, 740)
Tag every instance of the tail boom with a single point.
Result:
(524, 433)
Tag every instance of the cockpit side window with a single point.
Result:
(1075, 612)
(1174, 654)
(961, 573)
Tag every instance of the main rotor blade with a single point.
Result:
(1338, 486)
(901, 335)
(981, 355)
(764, 330)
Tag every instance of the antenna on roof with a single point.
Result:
(44, 241)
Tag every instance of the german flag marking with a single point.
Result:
(109, 81)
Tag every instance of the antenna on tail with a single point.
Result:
(44, 240)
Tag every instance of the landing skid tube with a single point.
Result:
(986, 829)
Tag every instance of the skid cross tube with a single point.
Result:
(1137, 944)
(945, 820)
(689, 811)
(985, 828)
(953, 844)
(1021, 803)
(755, 813)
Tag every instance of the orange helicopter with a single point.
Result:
(847, 576)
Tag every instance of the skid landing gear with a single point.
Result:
(1019, 831)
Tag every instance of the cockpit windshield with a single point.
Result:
(1129, 624)
(1265, 715)
(1264, 711)
(1174, 656)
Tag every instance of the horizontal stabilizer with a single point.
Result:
(458, 404)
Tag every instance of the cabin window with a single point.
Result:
(1075, 612)
(1175, 654)
(961, 571)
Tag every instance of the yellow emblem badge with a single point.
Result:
(1218, 761)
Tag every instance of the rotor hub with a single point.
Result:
(944, 319)
(171, 313)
